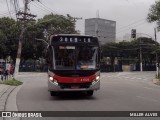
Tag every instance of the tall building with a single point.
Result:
(104, 29)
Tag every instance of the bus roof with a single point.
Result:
(72, 35)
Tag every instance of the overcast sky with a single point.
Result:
(128, 14)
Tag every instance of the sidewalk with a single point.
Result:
(5, 91)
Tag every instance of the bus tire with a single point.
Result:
(90, 93)
(52, 93)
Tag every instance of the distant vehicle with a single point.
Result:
(74, 63)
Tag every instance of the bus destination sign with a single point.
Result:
(75, 39)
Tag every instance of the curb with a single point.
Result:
(4, 96)
(156, 81)
(12, 103)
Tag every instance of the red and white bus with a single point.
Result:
(73, 63)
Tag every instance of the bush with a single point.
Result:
(11, 82)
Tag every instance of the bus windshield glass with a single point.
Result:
(75, 57)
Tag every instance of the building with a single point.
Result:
(104, 29)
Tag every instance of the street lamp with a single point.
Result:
(42, 41)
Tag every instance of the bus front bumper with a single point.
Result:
(55, 87)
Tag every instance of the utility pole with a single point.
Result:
(23, 17)
(133, 35)
(141, 65)
(157, 63)
(74, 20)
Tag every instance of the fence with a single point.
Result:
(33, 68)
(111, 68)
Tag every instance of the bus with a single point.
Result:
(73, 63)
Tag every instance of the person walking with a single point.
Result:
(2, 74)
(6, 74)
(11, 70)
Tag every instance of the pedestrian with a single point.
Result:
(6, 74)
(11, 70)
(2, 74)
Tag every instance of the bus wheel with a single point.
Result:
(90, 93)
(52, 93)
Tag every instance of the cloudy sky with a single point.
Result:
(128, 14)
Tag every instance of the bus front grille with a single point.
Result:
(72, 86)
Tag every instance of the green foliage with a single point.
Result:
(131, 50)
(53, 24)
(8, 37)
(3, 48)
(110, 49)
(32, 49)
(57, 24)
(154, 13)
(11, 82)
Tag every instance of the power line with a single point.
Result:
(131, 24)
(15, 4)
(7, 13)
(42, 8)
(8, 9)
(47, 7)
(130, 27)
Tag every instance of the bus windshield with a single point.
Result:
(75, 57)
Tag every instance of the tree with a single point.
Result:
(52, 24)
(131, 50)
(154, 13)
(32, 49)
(3, 48)
(8, 37)
(149, 47)
(55, 24)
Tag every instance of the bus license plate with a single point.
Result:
(75, 86)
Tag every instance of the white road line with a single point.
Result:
(102, 76)
(144, 98)
(148, 88)
(133, 78)
(126, 77)
(109, 76)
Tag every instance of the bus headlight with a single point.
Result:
(97, 78)
(53, 80)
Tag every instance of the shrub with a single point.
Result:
(12, 82)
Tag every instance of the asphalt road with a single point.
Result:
(125, 91)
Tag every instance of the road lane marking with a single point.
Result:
(102, 76)
(148, 88)
(144, 98)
